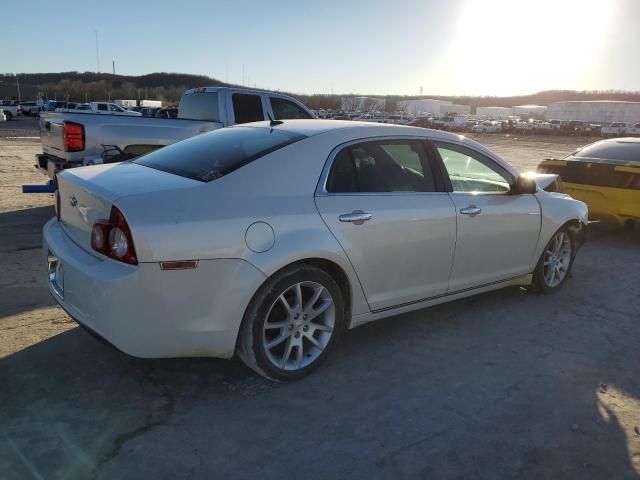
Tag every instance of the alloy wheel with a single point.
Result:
(298, 326)
(557, 259)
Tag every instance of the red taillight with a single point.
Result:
(113, 238)
(73, 137)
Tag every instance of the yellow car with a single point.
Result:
(606, 176)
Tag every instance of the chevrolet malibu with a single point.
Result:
(271, 239)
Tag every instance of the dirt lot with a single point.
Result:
(506, 384)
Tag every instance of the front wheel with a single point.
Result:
(555, 264)
(292, 323)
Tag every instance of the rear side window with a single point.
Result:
(247, 108)
(218, 153)
(607, 150)
(102, 106)
(199, 106)
(284, 109)
(382, 166)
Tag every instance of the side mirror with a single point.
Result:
(523, 185)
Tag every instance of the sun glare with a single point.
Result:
(511, 47)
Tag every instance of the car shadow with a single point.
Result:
(23, 272)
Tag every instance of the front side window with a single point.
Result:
(472, 172)
(284, 109)
(247, 108)
(382, 166)
(212, 155)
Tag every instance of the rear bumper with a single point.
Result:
(146, 312)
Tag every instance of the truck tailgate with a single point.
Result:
(51, 126)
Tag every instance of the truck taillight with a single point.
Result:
(113, 238)
(73, 137)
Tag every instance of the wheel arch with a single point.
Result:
(336, 271)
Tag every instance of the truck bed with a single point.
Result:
(129, 133)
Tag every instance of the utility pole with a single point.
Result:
(18, 84)
(113, 65)
(97, 52)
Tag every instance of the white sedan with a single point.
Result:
(270, 239)
(487, 127)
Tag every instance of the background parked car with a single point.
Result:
(616, 129)
(487, 127)
(30, 108)
(606, 176)
(634, 130)
(10, 108)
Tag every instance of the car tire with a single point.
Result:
(8, 114)
(556, 262)
(282, 338)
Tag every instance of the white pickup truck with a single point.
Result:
(103, 108)
(616, 129)
(10, 109)
(73, 139)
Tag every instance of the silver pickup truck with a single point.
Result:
(73, 139)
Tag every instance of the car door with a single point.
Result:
(497, 230)
(386, 206)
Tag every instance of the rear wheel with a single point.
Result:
(292, 323)
(8, 114)
(555, 264)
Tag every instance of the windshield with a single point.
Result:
(218, 153)
(626, 151)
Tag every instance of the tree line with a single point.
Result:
(168, 87)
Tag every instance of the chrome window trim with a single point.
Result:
(321, 188)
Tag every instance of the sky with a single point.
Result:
(439, 47)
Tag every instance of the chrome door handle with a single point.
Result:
(357, 217)
(471, 210)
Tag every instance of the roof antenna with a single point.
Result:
(273, 122)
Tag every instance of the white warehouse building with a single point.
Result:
(423, 105)
(597, 111)
(499, 113)
(530, 111)
(455, 109)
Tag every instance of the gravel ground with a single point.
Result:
(502, 385)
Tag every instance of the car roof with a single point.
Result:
(312, 127)
(354, 130)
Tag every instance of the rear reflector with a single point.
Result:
(179, 265)
(73, 137)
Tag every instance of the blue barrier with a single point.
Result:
(46, 188)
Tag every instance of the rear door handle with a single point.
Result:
(471, 210)
(357, 217)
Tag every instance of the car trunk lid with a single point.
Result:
(88, 193)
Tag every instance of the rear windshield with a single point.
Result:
(218, 153)
(626, 151)
(199, 106)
